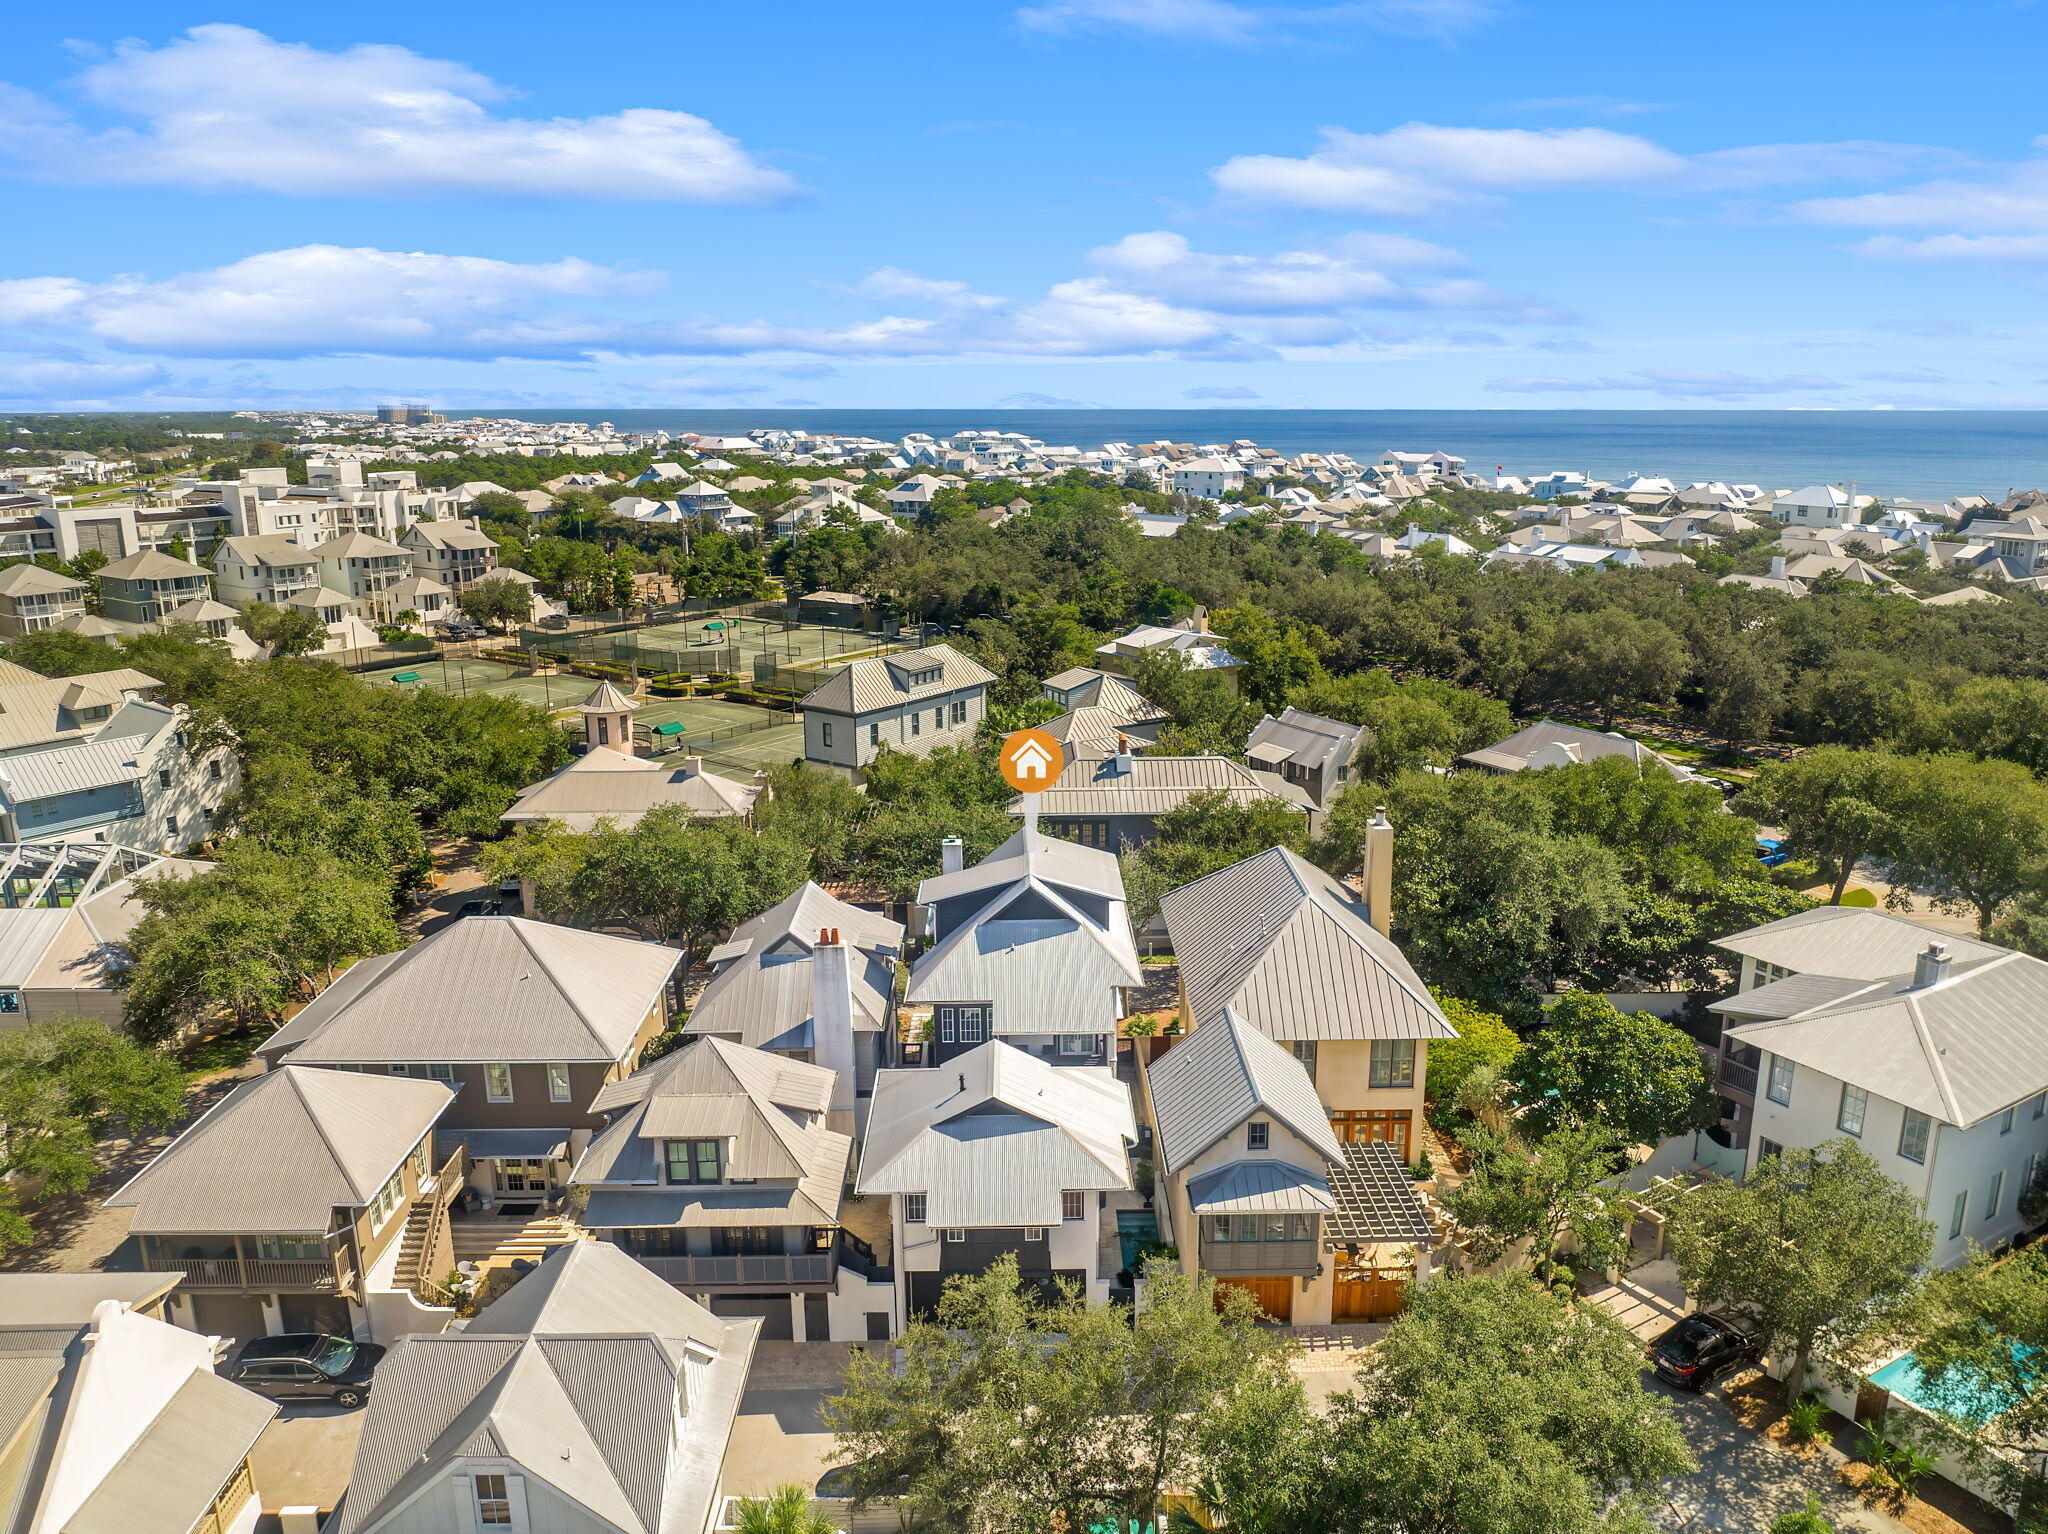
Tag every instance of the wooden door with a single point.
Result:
(1364, 1292)
(1275, 1295)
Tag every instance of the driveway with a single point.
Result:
(777, 1437)
(303, 1458)
(1744, 1482)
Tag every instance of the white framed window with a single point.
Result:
(1961, 1212)
(2040, 1105)
(558, 1083)
(949, 1024)
(2005, 1120)
(440, 1073)
(1305, 1051)
(874, 734)
(973, 1024)
(1257, 1135)
(1034, 1233)
(1392, 1063)
(1855, 1103)
(1780, 1089)
(956, 1234)
(1073, 1205)
(1995, 1195)
(499, 1501)
(1077, 1043)
(498, 1082)
(1914, 1134)
(913, 1208)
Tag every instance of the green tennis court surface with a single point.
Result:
(461, 677)
(801, 645)
(763, 748)
(701, 716)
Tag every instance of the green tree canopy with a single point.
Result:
(1630, 1073)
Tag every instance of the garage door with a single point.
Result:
(773, 1309)
(238, 1317)
(315, 1313)
(1275, 1295)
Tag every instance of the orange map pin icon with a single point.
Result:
(1031, 760)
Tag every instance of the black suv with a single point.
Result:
(1699, 1350)
(306, 1366)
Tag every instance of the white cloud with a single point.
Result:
(44, 380)
(227, 108)
(889, 282)
(1221, 391)
(1672, 383)
(1423, 168)
(1222, 21)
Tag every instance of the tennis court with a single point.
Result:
(730, 734)
(804, 644)
(465, 675)
(763, 748)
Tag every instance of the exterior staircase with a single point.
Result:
(489, 1242)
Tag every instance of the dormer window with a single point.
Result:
(693, 1161)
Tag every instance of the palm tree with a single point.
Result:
(785, 1510)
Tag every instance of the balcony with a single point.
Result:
(767, 1270)
(297, 1274)
(1741, 1077)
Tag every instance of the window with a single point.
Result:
(1392, 1063)
(1034, 1233)
(498, 1082)
(1955, 1221)
(913, 1208)
(960, 712)
(973, 1021)
(1780, 1090)
(213, 769)
(825, 734)
(171, 826)
(1769, 974)
(1257, 1135)
(493, 1506)
(1996, 1195)
(1854, 1102)
(1077, 1043)
(874, 734)
(1073, 1205)
(2005, 1120)
(163, 777)
(291, 1248)
(939, 717)
(693, 1160)
(2040, 1105)
(558, 1083)
(440, 1073)
(949, 1024)
(1914, 1134)
(956, 1234)
(917, 722)
(604, 732)
(1766, 1149)
(1305, 1052)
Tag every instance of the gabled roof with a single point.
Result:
(358, 546)
(282, 1152)
(607, 785)
(1958, 1049)
(1028, 853)
(1548, 743)
(592, 1376)
(1221, 1074)
(451, 535)
(1280, 942)
(767, 1109)
(266, 549)
(486, 988)
(1153, 785)
(1307, 739)
(883, 681)
(994, 1136)
(762, 987)
(1851, 942)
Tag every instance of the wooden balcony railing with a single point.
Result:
(283, 1273)
(773, 1270)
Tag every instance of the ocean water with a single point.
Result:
(1919, 454)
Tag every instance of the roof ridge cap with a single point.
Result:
(1923, 1031)
(521, 927)
(320, 1129)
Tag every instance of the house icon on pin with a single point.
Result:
(1029, 759)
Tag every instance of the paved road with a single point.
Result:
(1744, 1482)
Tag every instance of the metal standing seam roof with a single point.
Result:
(576, 1377)
(883, 681)
(1030, 853)
(486, 988)
(1959, 1049)
(607, 785)
(769, 1111)
(1305, 738)
(994, 1136)
(1280, 942)
(767, 1001)
(1376, 1202)
(1221, 1074)
(180, 1462)
(80, 767)
(282, 1152)
(1261, 1187)
(1153, 785)
(1787, 998)
(1851, 942)
(1514, 753)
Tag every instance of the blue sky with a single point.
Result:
(1134, 203)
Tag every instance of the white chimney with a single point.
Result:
(952, 855)
(832, 1024)
(1930, 966)
(693, 766)
(1379, 871)
(1777, 567)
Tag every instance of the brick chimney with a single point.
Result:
(832, 1024)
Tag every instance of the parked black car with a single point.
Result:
(306, 1366)
(1699, 1350)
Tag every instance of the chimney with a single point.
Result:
(1379, 871)
(762, 791)
(952, 855)
(832, 1024)
(1930, 966)
(693, 766)
(1121, 762)
(1777, 567)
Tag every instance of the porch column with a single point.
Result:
(241, 1264)
(796, 1317)
(273, 1315)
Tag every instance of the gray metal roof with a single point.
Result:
(769, 1111)
(994, 1136)
(762, 989)
(1152, 785)
(1221, 1074)
(1306, 739)
(179, 1463)
(1515, 753)
(1853, 942)
(1261, 1187)
(1959, 1049)
(609, 785)
(1279, 941)
(1375, 1200)
(577, 1376)
(883, 681)
(282, 1152)
(1784, 998)
(486, 988)
(1029, 853)
(68, 1299)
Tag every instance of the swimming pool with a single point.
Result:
(1902, 1377)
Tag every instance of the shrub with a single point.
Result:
(1803, 1421)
